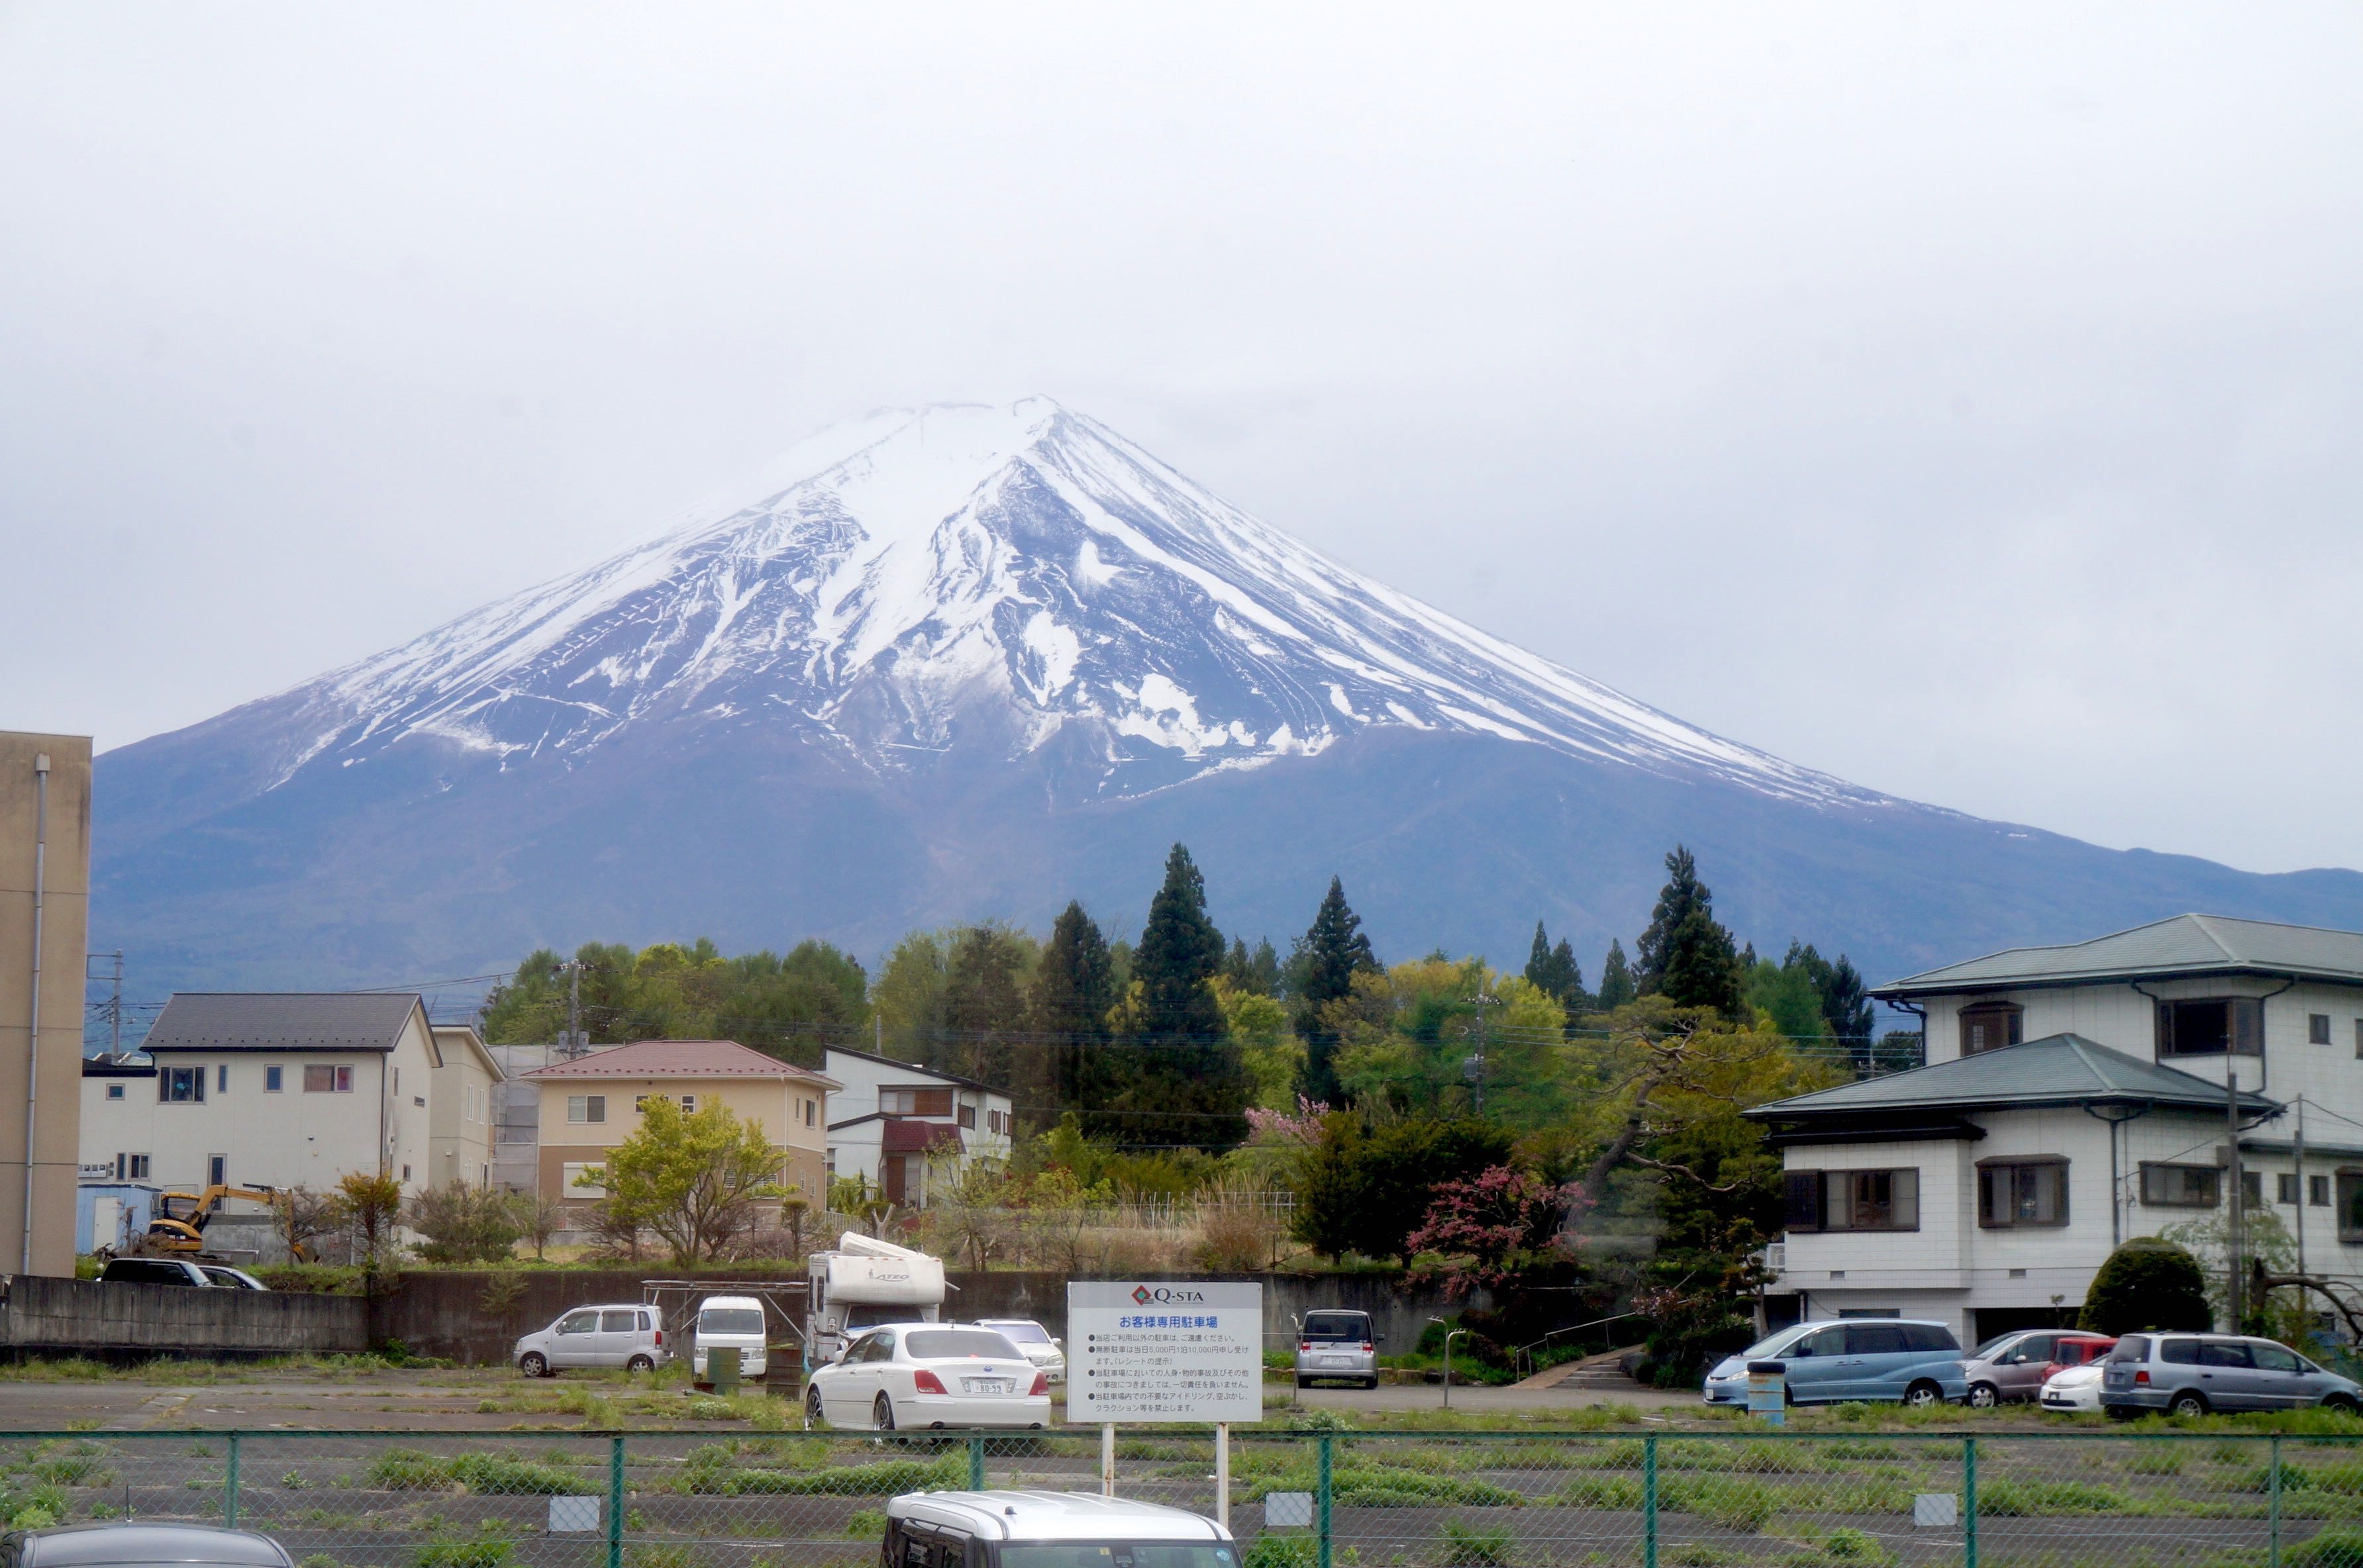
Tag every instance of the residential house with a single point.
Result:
(270, 1089)
(590, 1104)
(460, 1105)
(2073, 1097)
(903, 1127)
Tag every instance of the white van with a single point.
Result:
(731, 1321)
(623, 1335)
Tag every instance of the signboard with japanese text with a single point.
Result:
(1146, 1351)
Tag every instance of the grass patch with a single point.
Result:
(2010, 1499)
(1468, 1546)
(2331, 1549)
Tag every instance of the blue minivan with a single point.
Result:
(1885, 1360)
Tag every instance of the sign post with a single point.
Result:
(1156, 1351)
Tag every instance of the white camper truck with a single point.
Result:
(866, 1282)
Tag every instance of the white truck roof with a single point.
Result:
(1053, 1516)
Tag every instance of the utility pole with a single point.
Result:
(2297, 1163)
(574, 1044)
(2232, 1214)
(1473, 1066)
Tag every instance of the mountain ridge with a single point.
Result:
(920, 610)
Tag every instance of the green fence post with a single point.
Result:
(1321, 1505)
(1650, 1502)
(975, 1464)
(1968, 1503)
(230, 1487)
(615, 1501)
(2275, 1561)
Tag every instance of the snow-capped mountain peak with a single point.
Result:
(914, 579)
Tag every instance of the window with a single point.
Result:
(182, 1085)
(221, 1078)
(619, 1321)
(131, 1168)
(2317, 1029)
(1854, 1200)
(1990, 1026)
(2317, 1192)
(2180, 1187)
(585, 1322)
(274, 1078)
(2285, 1188)
(811, 1113)
(572, 1181)
(2252, 1191)
(322, 1079)
(916, 1101)
(689, 1105)
(217, 1170)
(2350, 1205)
(2271, 1357)
(2022, 1192)
(115, 1092)
(2224, 1352)
(967, 1114)
(2179, 1352)
(586, 1108)
(419, 1100)
(2209, 1028)
(406, 1172)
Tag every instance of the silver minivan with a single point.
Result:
(629, 1336)
(1888, 1359)
(1337, 1346)
(2189, 1375)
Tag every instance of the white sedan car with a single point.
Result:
(900, 1377)
(2075, 1388)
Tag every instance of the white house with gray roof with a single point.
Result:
(2072, 1097)
(277, 1089)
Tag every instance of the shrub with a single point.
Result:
(2008, 1499)
(2147, 1284)
(2336, 1548)
(498, 1475)
(1269, 1550)
(490, 1547)
(408, 1470)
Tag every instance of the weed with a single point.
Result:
(1269, 1550)
(490, 1547)
(2336, 1548)
(1743, 1506)
(408, 1470)
(1466, 1546)
(866, 1524)
(496, 1474)
(663, 1555)
(2011, 1498)
(1701, 1555)
(2165, 1461)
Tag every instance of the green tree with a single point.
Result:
(1365, 1187)
(1786, 993)
(1616, 986)
(1332, 951)
(907, 997)
(1843, 999)
(1554, 973)
(2147, 1284)
(463, 1224)
(698, 1179)
(1180, 1081)
(1255, 969)
(1686, 953)
(1273, 1057)
(1682, 895)
(1074, 991)
(984, 1006)
(367, 1204)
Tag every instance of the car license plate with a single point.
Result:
(987, 1386)
(1337, 1361)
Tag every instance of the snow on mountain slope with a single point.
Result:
(913, 580)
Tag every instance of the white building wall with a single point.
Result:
(855, 1138)
(459, 1111)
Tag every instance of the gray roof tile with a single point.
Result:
(2184, 944)
(281, 1021)
(2059, 1069)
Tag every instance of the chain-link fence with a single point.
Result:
(1325, 1499)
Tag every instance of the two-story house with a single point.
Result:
(2074, 1096)
(900, 1126)
(277, 1089)
(590, 1104)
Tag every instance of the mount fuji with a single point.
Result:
(962, 662)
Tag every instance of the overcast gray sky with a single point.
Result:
(1964, 400)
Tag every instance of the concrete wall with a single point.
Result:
(65, 923)
(465, 1317)
(117, 1321)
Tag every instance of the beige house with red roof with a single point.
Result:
(591, 1104)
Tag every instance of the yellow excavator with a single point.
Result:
(179, 1229)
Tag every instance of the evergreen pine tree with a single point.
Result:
(1185, 1082)
(1554, 972)
(983, 1003)
(1074, 987)
(1616, 986)
(1843, 998)
(1682, 893)
(1333, 951)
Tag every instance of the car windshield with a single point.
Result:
(730, 1320)
(1337, 1326)
(1990, 1346)
(950, 1344)
(1118, 1554)
(1023, 1333)
(1775, 1343)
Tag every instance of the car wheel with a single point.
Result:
(641, 1363)
(1983, 1396)
(1922, 1396)
(533, 1364)
(814, 1413)
(2190, 1402)
(881, 1415)
(1373, 1385)
(2342, 1403)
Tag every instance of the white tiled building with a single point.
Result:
(901, 1125)
(2072, 1097)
